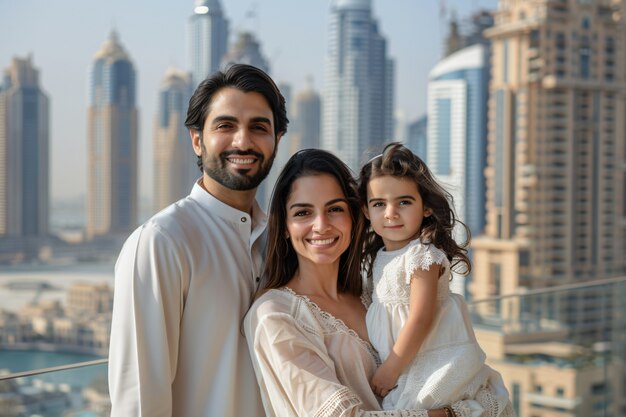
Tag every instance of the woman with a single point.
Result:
(306, 332)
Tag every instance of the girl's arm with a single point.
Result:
(422, 305)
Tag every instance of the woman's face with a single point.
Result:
(318, 219)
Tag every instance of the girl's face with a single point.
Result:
(318, 220)
(395, 209)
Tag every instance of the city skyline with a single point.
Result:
(55, 29)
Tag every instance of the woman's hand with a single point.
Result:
(384, 380)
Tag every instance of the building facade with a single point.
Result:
(24, 152)
(208, 39)
(306, 120)
(112, 142)
(175, 163)
(457, 130)
(556, 164)
(357, 114)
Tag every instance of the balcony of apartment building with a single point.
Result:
(561, 351)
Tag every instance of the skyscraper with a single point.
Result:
(305, 123)
(246, 50)
(555, 168)
(208, 39)
(112, 142)
(24, 160)
(175, 167)
(457, 129)
(469, 33)
(357, 115)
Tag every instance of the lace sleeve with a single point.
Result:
(494, 405)
(421, 256)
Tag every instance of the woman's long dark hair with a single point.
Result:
(281, 262)
(398, 161)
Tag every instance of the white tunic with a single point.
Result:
(450, 364)
(183, 282)
(309, 363)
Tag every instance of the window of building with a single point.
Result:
(534, 37)
(560, 41)
(505, 61)
(499, 150)
(585, 23)
(583, 62)
(598, 388)
(560, 392)
(496, 280)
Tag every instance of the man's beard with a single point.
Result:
(216, 167)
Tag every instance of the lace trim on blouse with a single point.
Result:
(339, 402)
(333, 324)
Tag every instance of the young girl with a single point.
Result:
(420, 329)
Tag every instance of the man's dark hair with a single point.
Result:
(245, 78)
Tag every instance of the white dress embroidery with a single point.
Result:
(450, 365)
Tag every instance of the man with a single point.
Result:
(184, 279)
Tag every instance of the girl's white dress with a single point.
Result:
(450, 365)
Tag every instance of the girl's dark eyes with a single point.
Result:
(300, 213)
(377, 204)
(336, 209)
(405, 202)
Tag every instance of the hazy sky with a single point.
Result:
(64, 35)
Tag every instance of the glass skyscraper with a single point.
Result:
(112, 142)
(175, 167)
(457, 130)
(24, 153)
(208, 39)
(357, 111)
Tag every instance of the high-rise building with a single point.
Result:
(556, 209)
(246, 50)
(208, 39)
(305, 122)
(469, 32)
(357, 115)
(112, 142)
(457, 129)
(24, 159)
(175, 167)
(417, 137)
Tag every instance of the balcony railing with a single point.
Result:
(561, 351)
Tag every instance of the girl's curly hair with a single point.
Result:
(398, 161)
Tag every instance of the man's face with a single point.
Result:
(238, 143)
